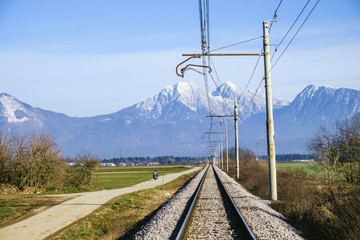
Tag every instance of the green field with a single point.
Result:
(309, 168)
(13, 206)
(119, 177)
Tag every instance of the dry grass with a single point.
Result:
(122, 214)
(318, 210)
(17, 207)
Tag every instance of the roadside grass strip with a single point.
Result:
(120, 215)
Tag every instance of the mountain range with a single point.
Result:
(173, 121)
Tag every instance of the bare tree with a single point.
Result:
(32, 162)
(339, 151)
(348, 141)
(5, 158)
(86, 165)
(44, 154)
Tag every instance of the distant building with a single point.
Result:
(304, 160)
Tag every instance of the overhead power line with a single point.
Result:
(205, 43)
(234, 44)
(275, 14)
(278, 45)
(255, 67)
(251, 100)
(282, 53)
(251, 76)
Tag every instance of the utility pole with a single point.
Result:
(190, 67)
(269, 115)
(236, 142)
(221, 153)
(227, 149)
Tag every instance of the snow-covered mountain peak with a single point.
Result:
(229, 86)
(322, 100)
(186, 93)
(307, 92)
(185, 87)
(13, 110)
(228, 90)
(313, 91)
(331, 87)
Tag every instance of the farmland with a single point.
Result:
(18, 206)
(119, 177)
(307, 167)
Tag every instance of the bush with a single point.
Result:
(36, 162)
(319, 211)
(79, 177)
(30, 162)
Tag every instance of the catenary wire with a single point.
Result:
(282, 53)
(255, 67)
(234, 44)
(248, 105)
(205, 46)
(243, 113)
(251, 76)
(275, 13)
(221, 94)
(278, 45)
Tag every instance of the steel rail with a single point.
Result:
(191, 208)
(247, 231)
(235, 208)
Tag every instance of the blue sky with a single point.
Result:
(87, 57)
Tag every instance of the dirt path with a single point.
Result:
(55, 218)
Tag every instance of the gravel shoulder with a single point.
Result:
(265, 222)
(60, 216)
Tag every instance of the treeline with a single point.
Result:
(36, 162)
(290, 157)
(162, 160)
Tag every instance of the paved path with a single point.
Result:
(55, 218)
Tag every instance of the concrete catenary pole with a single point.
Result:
(227, 149)
(236, 142)
(221, 152)
(269, 115)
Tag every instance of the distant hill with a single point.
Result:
(173, 121)
(296, 122)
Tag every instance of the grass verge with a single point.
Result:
(14, 208)
(317, 209)
(120, 215)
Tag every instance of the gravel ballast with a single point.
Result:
(265, 222)
(163, 224)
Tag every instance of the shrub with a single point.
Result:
(79, 177)
(319, 211)
(30, 162)
(339, 150)
(36, 162)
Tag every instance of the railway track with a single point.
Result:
(213, 214)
